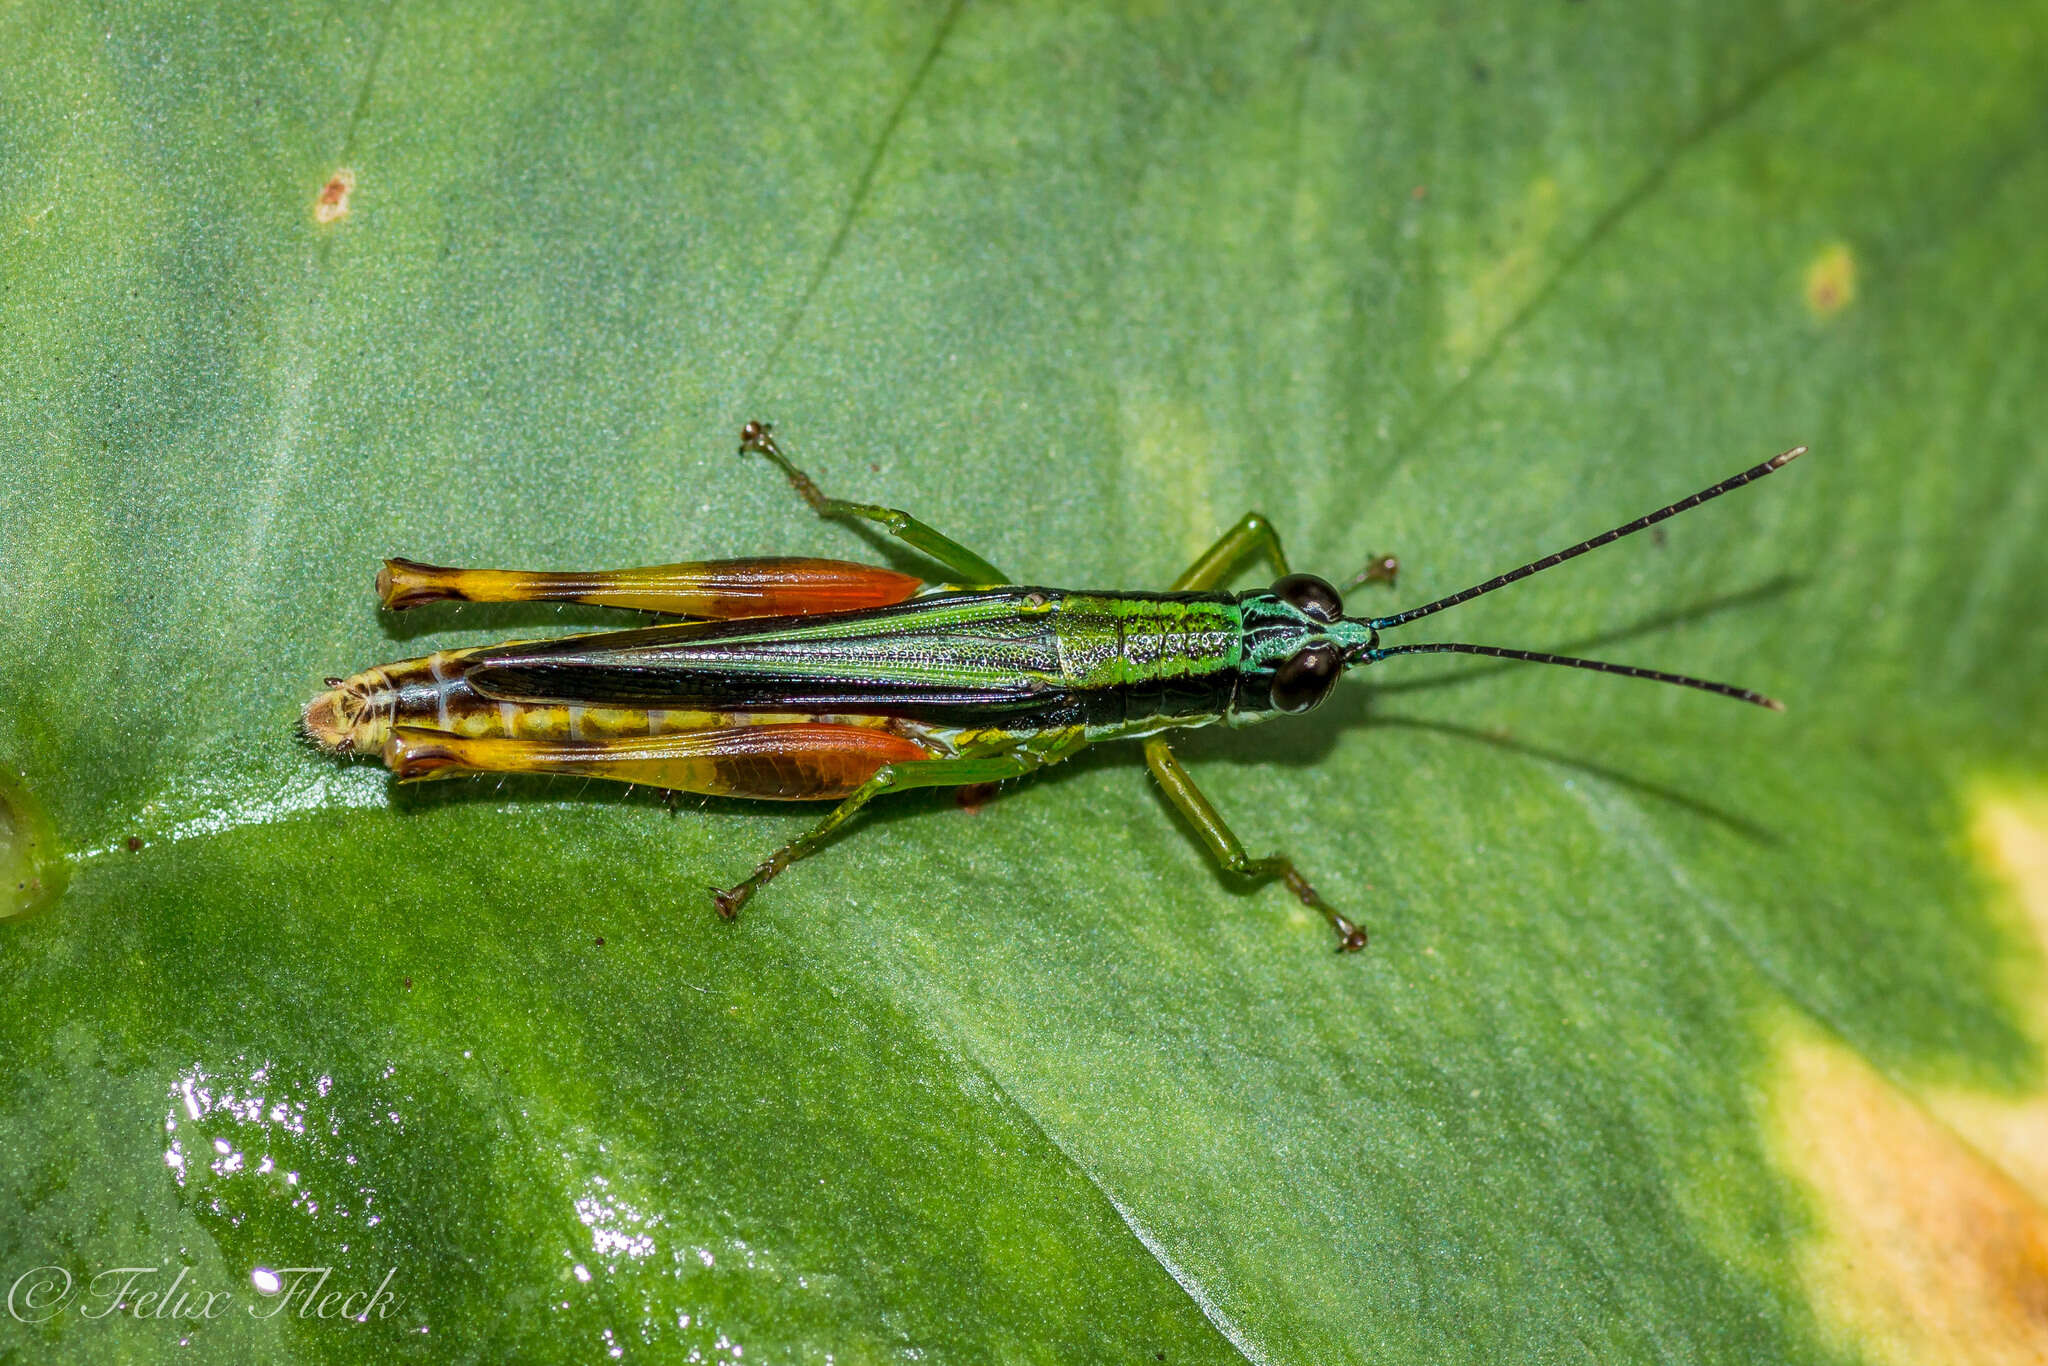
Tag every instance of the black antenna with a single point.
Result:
(1548, 561)
(1598, 666)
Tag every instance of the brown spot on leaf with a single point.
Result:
(1831, 281)
(332, 204)
(135, 844)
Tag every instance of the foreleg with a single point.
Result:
(1228, 850)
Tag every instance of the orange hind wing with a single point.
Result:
(772, 586)
(799, 761)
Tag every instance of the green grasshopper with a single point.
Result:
(807, 680)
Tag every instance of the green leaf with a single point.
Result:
(1687, 1030)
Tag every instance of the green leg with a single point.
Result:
(893, 778)
(1253, 535)
(1229, 851)
(972, 569)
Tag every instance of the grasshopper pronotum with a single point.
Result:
(822, 680)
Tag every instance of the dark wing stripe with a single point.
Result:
(930, 656)
(686, 688)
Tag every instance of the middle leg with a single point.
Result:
(891, 778)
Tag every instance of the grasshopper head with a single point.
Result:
(1298, 643)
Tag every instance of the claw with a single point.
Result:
(1380, 569)
(1350, 937)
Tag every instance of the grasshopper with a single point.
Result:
(823, 680)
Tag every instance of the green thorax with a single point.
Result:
(1115, 640)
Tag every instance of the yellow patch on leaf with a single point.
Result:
(1168, 453)
(2009, 836)
(1932, 1210)
(1924, 1250)
(32, 872)
(1483, 296)
(1831, 281)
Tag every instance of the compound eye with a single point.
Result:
(1315, 597)
(1306, 678)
